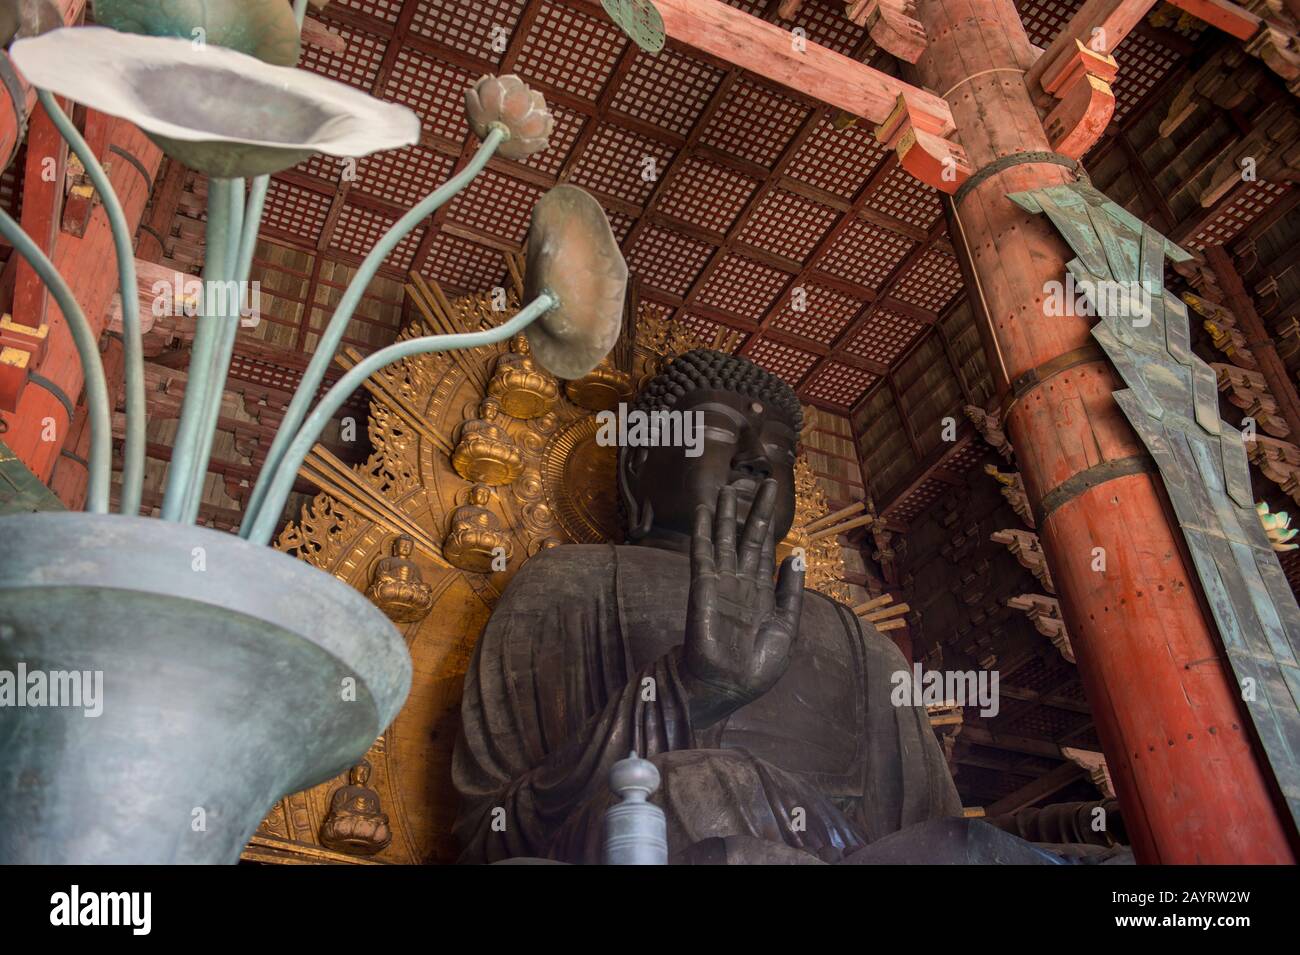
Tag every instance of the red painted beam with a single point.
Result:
(816, 71)
(1222, 15)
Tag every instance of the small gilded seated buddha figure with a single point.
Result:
(397, 586)
(354, 823)
(485, 452)
(474, 535)
(524, 390)
(602, 388)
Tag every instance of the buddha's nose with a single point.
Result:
(754, 466)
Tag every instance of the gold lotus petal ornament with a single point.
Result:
(573, 254)
(215, 110)
(508, 101)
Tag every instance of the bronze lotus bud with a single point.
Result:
(507, 100)
(572, 253)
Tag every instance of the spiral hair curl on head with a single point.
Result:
(705, 369)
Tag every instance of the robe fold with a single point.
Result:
(580, 664)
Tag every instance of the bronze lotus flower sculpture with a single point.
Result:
(247, 656)
(214, 109)
(265, 29)
(573, 254)
(506, 100)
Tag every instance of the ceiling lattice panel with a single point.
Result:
(865, 254)
(817, 312)
(707, 195)
(754, 123)
(884, 336)
(743, 286)
(669, 90)
(571, 51)
(479, 28)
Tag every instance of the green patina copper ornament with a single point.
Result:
(265, 29)
(639, 20)
(215, 110)
(573, 254)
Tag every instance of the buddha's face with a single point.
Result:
(489, 408)
(402, 546)
(479, 495)
(744, 444)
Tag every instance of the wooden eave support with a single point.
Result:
(932, 159)
(1080, 80)
(891, 25)
(24, 336)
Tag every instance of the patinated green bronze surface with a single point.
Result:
(197, 679)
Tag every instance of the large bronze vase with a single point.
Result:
(231, 675)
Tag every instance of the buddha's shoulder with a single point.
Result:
(568, 566)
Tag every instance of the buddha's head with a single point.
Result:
(480, 494)
(489, 408)
(402, 546)
(359, 775)
(750, 423)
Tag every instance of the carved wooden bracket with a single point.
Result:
(1222, 326)
(1013, 489)
(936, 161)
(1094, 764)
(1248, 391)
(892, 25)
(1045, 614)
(1025, 547)
(1081, 82)
(1279, 461)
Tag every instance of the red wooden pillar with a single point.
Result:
(1192, 786)
(89, 263)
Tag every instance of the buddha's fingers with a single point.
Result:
(757, 529)
(702, 544)
(789, 594)
(724, 531)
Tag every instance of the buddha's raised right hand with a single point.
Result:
(740, 626)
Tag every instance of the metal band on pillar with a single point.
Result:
(1016, 159)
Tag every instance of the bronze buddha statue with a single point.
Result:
(752, 697)
(765, 708)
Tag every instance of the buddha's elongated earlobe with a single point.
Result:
(639, 518)
(639, 526)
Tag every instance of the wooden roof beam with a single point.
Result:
(816, 71)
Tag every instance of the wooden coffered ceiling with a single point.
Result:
(738, 204)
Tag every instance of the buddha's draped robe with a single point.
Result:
(580, 664)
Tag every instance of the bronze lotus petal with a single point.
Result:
(508, 100)
(572, 253)
(213, 109)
